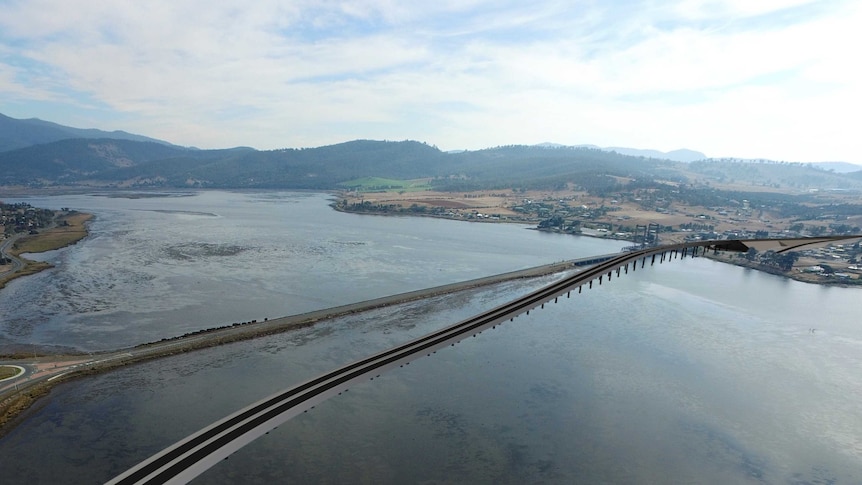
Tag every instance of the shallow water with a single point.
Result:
(162, 266)
(688, 372)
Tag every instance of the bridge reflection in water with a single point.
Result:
(193, 455)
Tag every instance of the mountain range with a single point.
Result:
(36, 153)
(15, 133)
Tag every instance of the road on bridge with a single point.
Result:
(195, 454)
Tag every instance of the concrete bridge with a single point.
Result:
(190, 457)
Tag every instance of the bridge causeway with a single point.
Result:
(190, 457)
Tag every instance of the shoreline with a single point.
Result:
(794, 274)
(67, 229)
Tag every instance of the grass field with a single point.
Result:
(69, 230)
(378, 184)
(6, 372)
(54, 238)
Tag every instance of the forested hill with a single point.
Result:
(15, 133)
(127, 163)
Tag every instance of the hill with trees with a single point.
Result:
(15, 133)
(36, 153)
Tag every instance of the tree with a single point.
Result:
(785, 261)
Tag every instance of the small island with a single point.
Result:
(26, 229)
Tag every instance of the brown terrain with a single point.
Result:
(741, 221)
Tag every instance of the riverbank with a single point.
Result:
(604, 221)
(796, 273)
(68, 229)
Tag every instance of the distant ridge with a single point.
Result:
(838, 167)
(15, 133)
(120, 159)
(681, 155)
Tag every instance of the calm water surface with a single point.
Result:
(162, 266)
(688, 372)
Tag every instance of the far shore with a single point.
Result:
(506, 217)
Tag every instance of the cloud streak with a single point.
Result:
(731, 78)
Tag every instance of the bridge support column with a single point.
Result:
(591, 284)
(653, 260)
(618, 272)
(600, 280)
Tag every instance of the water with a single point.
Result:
(688, 372)
(163, 266)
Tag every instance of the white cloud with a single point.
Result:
(726, 77)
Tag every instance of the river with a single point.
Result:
(692, 371)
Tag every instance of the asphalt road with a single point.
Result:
(17, 264)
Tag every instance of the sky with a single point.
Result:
(774, 79)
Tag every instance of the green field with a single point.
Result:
(379, 184)
(6, 371)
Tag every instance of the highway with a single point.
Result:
(17, 264)
(191, 456)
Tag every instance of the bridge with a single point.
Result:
(188, 458)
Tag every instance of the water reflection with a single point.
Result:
(689, 372)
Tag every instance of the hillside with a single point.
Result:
(36, 153)
(126, 163)
(16, 133)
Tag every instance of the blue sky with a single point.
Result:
(744, 78)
